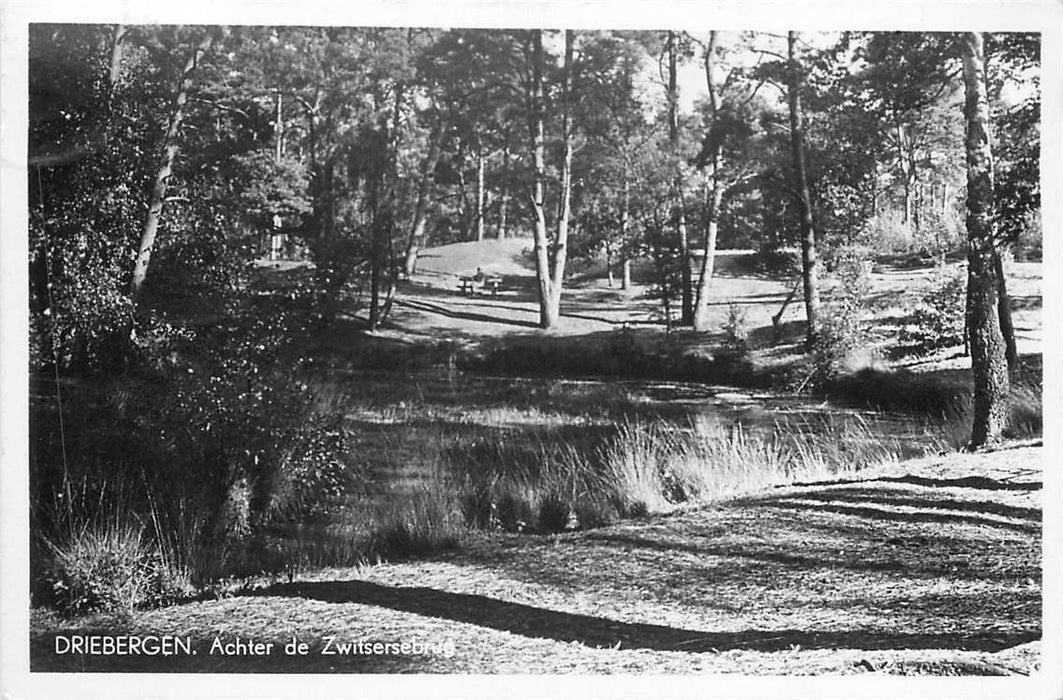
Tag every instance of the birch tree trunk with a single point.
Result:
(162, 175)
(480, 196)
(565, 209)
(712, 215)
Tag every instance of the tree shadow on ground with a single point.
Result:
(530, 621)
(872, 496)
(902, 516)
(969, 482)
(450, 312)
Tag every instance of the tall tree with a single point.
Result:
(169, 149)
(809, 257)
(551, 251)
(988, 361)
(673, 48)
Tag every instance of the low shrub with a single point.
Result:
(938, 319)
(736, 330)
(841, 328)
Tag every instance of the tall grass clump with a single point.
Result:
(99, 556)
(100, 569)
(534, 481)
(709, 461)
(427, 520)
(548, 482)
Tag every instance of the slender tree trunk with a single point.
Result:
(988, 350)
(712, 215)
(547, 317)
(424, 196)
(382, 192)
(906, 174)
(610, 277)
(278, 129)
(809, 262)
(480, 189)
(625, 218)
(565, 210)
(463, 201)
(686, 309)
(503, 204)
(162, 175)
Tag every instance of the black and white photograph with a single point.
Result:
(587, 346)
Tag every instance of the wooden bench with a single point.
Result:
(469, 285)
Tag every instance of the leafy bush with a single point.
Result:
(1028, 246)
(315, 479)
(939, 234)
(938, 320)
(736, 330)
(841, 330)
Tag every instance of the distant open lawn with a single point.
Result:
(609, 497)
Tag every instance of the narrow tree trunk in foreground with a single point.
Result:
(988, 349)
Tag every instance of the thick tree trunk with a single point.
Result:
(424, 197)
(547, 317)
(988, 349)
(1007, 326)
(809, 261)
(712, 226)
(162, 175)
(115, 73)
